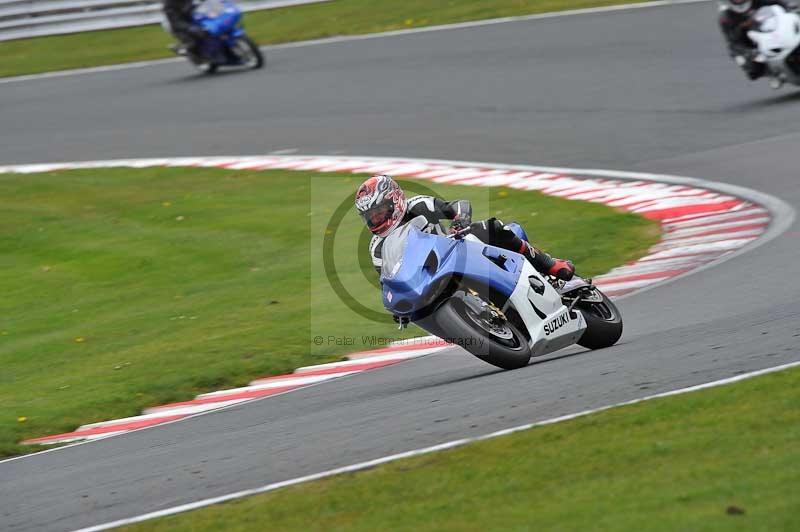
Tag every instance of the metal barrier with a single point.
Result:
(20, 19)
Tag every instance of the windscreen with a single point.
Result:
(394, 247)
(211, 8)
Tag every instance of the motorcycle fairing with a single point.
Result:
(551, 325)
(221, 19)
(417, 265)
(777, 39)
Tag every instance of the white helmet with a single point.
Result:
(737, 6)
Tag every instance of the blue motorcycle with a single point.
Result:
(488, 300)
(226, 43)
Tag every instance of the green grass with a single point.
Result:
(339, 17)
(130, 288)
(693, 462)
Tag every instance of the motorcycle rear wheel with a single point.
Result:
(501, 345)
(206, 67)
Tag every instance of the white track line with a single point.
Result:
(351, 38)
(281, 382)
(400, 355)
(417, 452)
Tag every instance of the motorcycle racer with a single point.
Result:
(383, 206)
(179, 16)
(735, 19)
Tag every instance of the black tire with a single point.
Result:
(256, 51)
(452, 317)
(604, 323)
(206, 68)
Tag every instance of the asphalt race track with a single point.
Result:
(645, 90)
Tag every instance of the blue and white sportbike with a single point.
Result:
(225, 43)
(489, 300)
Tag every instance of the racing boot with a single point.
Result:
(752, 65)
(547, 265)
(178, 49)
(194, 54)
(190, 51)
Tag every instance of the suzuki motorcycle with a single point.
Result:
(777, 39)
(226, 43)
(489, 300)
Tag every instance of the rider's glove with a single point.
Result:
(459, 223)
(401, 321)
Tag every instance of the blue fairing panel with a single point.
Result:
(226, 16)
(429, 261)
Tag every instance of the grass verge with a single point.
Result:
(720, 459)
(339, 17)
(130, 288)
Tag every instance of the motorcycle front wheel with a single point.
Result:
(248, 53)
(498, 342)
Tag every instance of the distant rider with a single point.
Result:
(382, 204)
(735, 20)
(179, 14)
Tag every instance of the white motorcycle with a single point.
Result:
(777, 40)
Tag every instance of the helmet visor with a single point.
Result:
(740, 6)
(378, 216)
